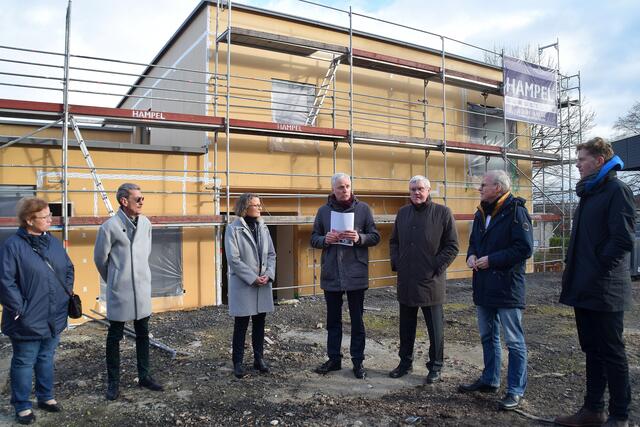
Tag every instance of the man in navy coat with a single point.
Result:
(597, 282)
(501, 241)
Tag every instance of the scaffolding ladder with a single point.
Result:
(87, 157)
(322, 92)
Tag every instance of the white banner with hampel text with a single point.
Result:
(530, 93)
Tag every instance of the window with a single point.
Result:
(486, 126)
(165, 262)
(291, 103)
(9, 197)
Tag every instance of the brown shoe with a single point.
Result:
(583, 418)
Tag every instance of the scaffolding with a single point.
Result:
(335, 100)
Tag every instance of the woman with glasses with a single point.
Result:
(251, 261)
(34, 272)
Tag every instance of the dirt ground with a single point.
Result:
(201, 390)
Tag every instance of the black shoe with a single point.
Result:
(150, 383)
(509, 402)
(433, 377)
(400, 371)
(50, 407)
(477, 386)
(26, 419)
(358, 370)
(328, 366)
(261, 366)
(113, 390)
(239, 371)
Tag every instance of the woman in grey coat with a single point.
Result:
(251, 261)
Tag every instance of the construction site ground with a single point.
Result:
(200, 388)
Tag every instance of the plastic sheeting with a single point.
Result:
(9, 197)
(291, 103)
(165, 262)
(494, 136)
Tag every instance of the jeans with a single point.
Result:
(240, 325)
(489, 321)
(434, 318)
(600, 335)
(114, 336)
(30, 356)
(334, 301)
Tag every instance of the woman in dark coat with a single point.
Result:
(34, 268)
(251, 259)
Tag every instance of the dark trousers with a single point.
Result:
(114, 336)
(240, 326)
(434, 318)
(600, 335)
(355, 299)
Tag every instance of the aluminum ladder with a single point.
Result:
(329, 78)
(89, 160)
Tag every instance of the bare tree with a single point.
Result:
(629, 124)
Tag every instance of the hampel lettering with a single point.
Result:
(139, 114)
(296, 128)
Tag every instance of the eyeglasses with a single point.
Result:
(255, 206)
(139, 199)
(44, 217)
(483, 185)
(419, 190)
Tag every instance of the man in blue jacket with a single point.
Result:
(345, 269)
(501, 241)
(597, 282)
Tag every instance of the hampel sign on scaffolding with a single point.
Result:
(530, 93)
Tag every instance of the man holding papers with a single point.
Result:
(344, 230)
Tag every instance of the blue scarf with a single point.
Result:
(615, 163)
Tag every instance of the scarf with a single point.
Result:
(589, 182)
(346, 204)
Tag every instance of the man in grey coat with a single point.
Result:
(424, 242)
(345, 269)
(121, 256)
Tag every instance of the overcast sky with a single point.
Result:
(599, 39)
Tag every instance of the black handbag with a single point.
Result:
(74, 309)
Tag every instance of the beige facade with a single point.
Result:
(185, 172)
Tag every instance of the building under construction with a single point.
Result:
(245, 99)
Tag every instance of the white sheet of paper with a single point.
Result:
(342, 221)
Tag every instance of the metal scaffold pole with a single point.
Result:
(351, 92)
(444, 120)
(65, 132)
(505, 134)
(227, 114)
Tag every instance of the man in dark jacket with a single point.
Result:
(501, 241)
(345, 268)
(597, 282)
(424, 242)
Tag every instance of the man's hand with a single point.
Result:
(350, 235)
(483, 263)
(472, 262)
(332, 237)
(261, 280)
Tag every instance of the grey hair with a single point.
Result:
(242, 204)
(422, 179)
(501, 178)
(124, 189)
(338, 176)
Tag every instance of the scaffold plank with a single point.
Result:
(361, 58)
(452, 146)
(279, 43)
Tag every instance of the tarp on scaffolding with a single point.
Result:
(530, 93)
